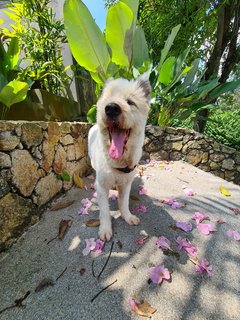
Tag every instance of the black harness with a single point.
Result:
(126, 169)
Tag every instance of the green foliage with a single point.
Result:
(64, 176)
(11, 90)
(180, 89)
(121, 51)
(40, 36)
(225, 127)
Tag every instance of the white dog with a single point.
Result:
(115, 144)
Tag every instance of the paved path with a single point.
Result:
(189, 295)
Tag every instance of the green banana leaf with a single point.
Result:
(86, 40)
(119, 33)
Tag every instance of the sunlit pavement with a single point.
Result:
(71, 279)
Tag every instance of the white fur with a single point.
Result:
(133, 117)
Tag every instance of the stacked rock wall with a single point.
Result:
(194, 148)
(32, 155)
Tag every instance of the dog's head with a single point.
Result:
(122, 110)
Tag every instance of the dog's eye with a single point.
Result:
(130, 102)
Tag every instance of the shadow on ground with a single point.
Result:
(188, 295)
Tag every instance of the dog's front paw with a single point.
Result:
(132, 219)
(105, 234)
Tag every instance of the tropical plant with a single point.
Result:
(120, 51)
(41, 37)
(181, 90)
(11, 89)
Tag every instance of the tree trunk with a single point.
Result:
(225, 48)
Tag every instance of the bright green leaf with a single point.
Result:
(92, 114)
(165, 75)
(224, 88)
(13, 52)
(86, 40)
(119, 33)
(15, 91)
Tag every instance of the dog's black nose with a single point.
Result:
(113, 110)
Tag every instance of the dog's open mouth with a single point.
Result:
(118, 140)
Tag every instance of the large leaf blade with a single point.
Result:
(140, 48)
(13, 52)
(168, 45)
(165, 75)
(119, 33)
(224, 88)
(85, 39)
(14, 92)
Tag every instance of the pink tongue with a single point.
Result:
(117, 144)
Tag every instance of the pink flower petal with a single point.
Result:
(92, 186)
(184, 244)
(113, 197)
(205, 228)
(140, 208)
(140, 241)
(158, 274)
(90, 246)
(99, 246)
(188, 191)
(233, 234)
(142, 191)
(91, 177)
(184, 225)
(204, 267)
(133, 304)
(163, 243)
(199, 217)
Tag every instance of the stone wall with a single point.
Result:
(195, 148)
(32, 155)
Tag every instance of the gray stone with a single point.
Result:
(160, 155)
(5, 160)
(215, 165)
(205, 157)
(228, 150)
(47, 188)
(216, 157)
(218, 173)
(4, 187)
(175, 156)
(237, 158)
(66, 139)
(229, 175)
(228, 164)
(32, 134)
(216, 146)
(16, 214)
(18, 130)
(154, 131)
(8, 141)
(173, 137)
(25, 171)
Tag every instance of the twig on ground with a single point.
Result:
(61, 274)
(17, 303)
(103, 290)
(106, 261)
(93, 273)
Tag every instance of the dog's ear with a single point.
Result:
(144, 83)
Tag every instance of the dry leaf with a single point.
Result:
(61, 205)
(93, 223)
(144, 309)
(78, 181)
(44, 283)
(63, 227)
(224, 191)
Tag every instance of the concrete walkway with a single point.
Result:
(188, 295)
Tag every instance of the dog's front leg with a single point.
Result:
(105, 229)
(123, 202)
